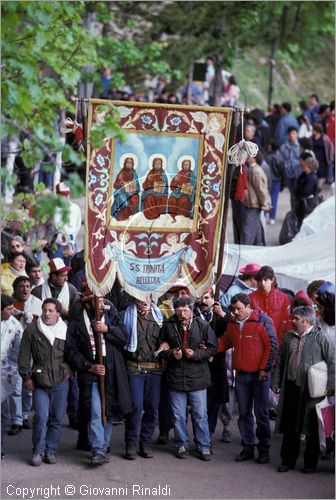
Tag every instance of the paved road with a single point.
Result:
(183, 479)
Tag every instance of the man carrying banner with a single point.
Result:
(81, 354)
(143, 321)
(188, 374)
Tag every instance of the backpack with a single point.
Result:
(289, 228)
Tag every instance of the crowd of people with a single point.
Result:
(248, 353)
(301, 160)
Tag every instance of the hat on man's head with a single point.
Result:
(179, 285)
(62, 188)
(57, 266)
(250, 269)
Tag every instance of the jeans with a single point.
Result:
(198, 403)
(99, 435)
(227, 409)
(20, 403)
(49, 407)
(275, 190)
(4, 421)
(145, 391)
(252, 396)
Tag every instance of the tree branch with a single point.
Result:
(26, 131)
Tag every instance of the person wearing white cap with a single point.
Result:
(244, 283)
(57, 286)
(67, 232)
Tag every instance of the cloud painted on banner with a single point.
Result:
(183, 146)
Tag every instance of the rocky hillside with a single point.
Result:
(292, 82)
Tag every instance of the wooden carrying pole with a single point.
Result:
(227, 188)
(84, 121)
(100, 361)
(97, 335)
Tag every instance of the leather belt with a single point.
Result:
(144, 366)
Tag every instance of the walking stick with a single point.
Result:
(100, 361)
(228, 180)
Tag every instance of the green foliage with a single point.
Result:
(44, 207)
(194, 29)
(108, 127)
(46, 49)
(77, 186)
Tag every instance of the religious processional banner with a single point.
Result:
(154, 198)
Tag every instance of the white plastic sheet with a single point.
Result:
(310, 256)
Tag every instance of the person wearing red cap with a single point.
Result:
(178, 290)
(244, 283)
(57, 286)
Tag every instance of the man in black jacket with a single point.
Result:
(218, 393)
(81, 353)
(188, 374)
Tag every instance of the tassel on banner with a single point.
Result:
(237, 155)
(242, 184)
(68, 126)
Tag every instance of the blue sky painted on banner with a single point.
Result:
(146, 145)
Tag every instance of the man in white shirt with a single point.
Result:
(27, 309)
(11, 334)
(68, 231)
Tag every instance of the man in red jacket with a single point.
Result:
(276, 305)
(269, 299)
(252, 336)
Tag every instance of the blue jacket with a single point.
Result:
(290, 155)
(237, 286)
(281, 130)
